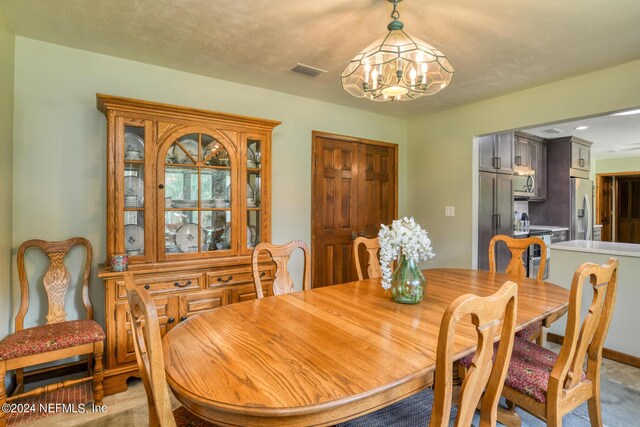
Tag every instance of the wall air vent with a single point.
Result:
(552, 131)
(307, 70)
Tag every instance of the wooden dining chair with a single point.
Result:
(516, 267)
(373, 263)
(282, 282)
(550, 385)
(59, 338)
(147, 344)
(487, 314)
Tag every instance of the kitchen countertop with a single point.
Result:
(610, 248)
(548, 227)
(519, 233)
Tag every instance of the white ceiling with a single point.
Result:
(496, 46)
(612, 135)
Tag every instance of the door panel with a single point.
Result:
(354, 191)
(504, 209)
(486, 224)
(335, 209)
(629, 210)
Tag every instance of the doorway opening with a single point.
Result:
(618, 206)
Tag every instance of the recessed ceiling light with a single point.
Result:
(581, 127)
(627, 113)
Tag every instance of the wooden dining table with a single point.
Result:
(328, 354)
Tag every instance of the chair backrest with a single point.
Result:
(517, 248)
(373, 264)
(486, 315)
(282, 283)
(56, 280)
(147, 343)
(586, 338)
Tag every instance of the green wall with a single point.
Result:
(7, 42)
(622, 164)
(442, 164)
(59, 159)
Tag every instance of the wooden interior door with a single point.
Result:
(354, 190)
(628, 210)
(604, 206)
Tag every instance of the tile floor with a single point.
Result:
(132, 404)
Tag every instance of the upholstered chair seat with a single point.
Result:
(185, 418)
(54, 336)
(530, 332)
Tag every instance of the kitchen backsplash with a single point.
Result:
(521, 206)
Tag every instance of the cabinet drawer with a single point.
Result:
(161, 285)
(234, 277)
(248, 292)
(199, 302)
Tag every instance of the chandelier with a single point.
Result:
(397, 67)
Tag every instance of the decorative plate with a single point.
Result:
(133, 238)
(250, 192)
(132, 143)
(134, 186)
(187, 237)
(251, 236)
(191, 145)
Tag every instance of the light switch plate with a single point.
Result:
(449, 211)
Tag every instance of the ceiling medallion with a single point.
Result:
(397, 67)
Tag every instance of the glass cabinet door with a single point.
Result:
(254, 192)
(198, 191)
(133, 194)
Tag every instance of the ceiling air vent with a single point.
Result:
(307, 70)
(552, 131)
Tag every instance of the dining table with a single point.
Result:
(328, 354)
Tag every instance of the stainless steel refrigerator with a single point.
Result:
(581, 197)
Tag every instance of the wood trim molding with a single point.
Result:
(631, 173)
(614, 355)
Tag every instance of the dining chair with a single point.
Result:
(147, 344)
(486, 314)
(59, 338)
(550, 385)
(516, 267)
(373, 263)
(282, 282)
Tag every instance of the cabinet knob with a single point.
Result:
(161, 186)
(183, 318)
(262, 274)
(171, 320)
(147, 287)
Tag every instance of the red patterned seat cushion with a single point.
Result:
(54, 336)
(529, 368)
(530, 330)
(185, 418)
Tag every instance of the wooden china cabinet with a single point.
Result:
(188, 197)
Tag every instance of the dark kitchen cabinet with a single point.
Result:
(580, 155)
(495, 216)
(521, 154)
(495, 153)
(538, 159)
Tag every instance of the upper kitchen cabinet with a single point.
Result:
(496, 153)
(521, 154)
(580, 154)
(538, 166)
(576, 153)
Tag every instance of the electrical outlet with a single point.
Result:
(449, 211)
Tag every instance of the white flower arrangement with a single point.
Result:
(404, 237)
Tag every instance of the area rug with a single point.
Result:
(32, 408)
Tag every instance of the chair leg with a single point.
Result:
(595, 413)
(19, 382)
(98, 373)
(3, 393)
(554, 418)
(509, 417)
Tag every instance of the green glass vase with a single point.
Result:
(407, 282)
